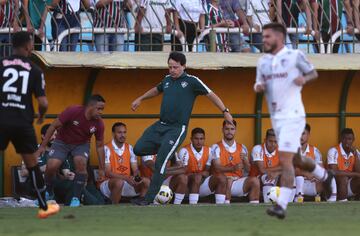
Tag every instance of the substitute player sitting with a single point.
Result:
(196, 159)
(176, 178)
(265, 163)
(231, 159)
(306, 183)
(344, 160)
(121, 168)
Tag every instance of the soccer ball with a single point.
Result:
(164, 196)
(273, 194)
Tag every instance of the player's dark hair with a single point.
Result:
(270, 133)
(197, 131)
(95, 98)
(44, 128)
(20, 39)
(307, 127)
(347, 131)
(225, 122)
(178, 57)
(117, 124)
(276, 27)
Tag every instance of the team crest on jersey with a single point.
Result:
(171, 142)
(231, 158)
(184, 84)
(284, 62)
(347, 163)
(166, 85)
(92, 129)
(269, 162)
(76, 123)
(120, 160)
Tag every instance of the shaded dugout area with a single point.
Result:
(332, 102)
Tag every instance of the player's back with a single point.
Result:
(20, 79)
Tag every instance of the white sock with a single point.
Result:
(344, 200)
(299, 185)
(320, 173)
(179, 197)
(227, 202)
(333, 187)
(193, 198)
(220, 199)
(284, 197)
(255, 202)
(292, 195)
(265, 191)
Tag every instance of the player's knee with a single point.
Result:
(118, 185)
(182, 179)
(197, 179)
(254, 182)
(146, 182)
(221, 180)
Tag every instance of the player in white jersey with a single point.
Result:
(281, 74)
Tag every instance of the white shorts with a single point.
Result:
(309, 188)
(288, 133)
(205, 188)
(237, 188)
(167, 181)
(127, 190)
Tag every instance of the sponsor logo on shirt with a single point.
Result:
(283, 75)
(171, 142)
(76, 123)
(184, 84)
(92, 129)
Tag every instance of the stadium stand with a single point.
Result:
(61, 26)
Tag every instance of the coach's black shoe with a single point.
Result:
(277, 211)
(140, 201)
(327, 184)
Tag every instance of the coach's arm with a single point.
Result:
(149, 94)
(219, 104)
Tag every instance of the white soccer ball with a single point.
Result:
(273, 194)
(164, 196)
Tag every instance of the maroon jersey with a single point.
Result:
(76, 128)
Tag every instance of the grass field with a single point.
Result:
(237, 219)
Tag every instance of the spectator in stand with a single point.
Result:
(330, 20)
(352, 8)
(66, 16)
(214, 19)
(152, 14)
(262, 13)
(35, 12)
(287, 13)
(232, 10)
(9, 10)
(189, 19)
(110, 14)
